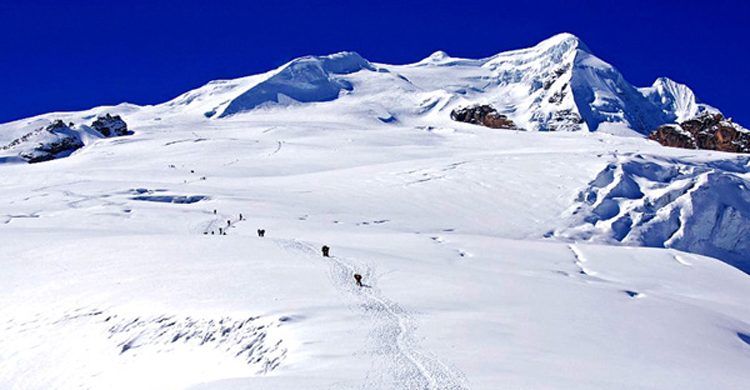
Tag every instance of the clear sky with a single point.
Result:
(72, 54)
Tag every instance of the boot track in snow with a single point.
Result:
(403, 364)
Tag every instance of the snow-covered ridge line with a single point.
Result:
(559, 84)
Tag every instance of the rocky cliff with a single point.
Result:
(706, 131)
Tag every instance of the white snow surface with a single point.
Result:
(490, 258)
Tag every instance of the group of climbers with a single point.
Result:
(326, 253)
(325, 249)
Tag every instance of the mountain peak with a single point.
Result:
(565, 41)
(677, 100)
(438, 56)
(343, 62)
(666, 82)
(305, 79)
(557, 84)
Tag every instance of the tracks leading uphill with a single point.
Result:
(401, 363)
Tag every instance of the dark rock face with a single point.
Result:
(674, 136)
(484, 115)
(110, 126)
(53, 150)
(565, 120)
(706, 131)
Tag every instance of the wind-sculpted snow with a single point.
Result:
(243, 339)
(650, 201)
(307, 79)
(251, 342)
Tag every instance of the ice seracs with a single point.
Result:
(667, 202)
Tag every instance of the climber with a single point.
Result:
(325, 250)
(358, 279)
(261, 232)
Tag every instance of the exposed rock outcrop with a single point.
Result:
(674, 136)
(706, 131)
(59, 139)
(484, 115)
(53, 141)
(110, 126)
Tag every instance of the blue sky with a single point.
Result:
(71, 55)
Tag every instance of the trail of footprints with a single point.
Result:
(591, 276)
(440, 240)
(401, 363)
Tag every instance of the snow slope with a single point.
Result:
(490, 258)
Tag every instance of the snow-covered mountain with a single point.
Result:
(575, 254)
(677, 101)
(557, 85)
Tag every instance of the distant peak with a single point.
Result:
(343, 62)
(438, 56)
(665, 85)
(565, 41)
(666, 81)
(351, 55)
